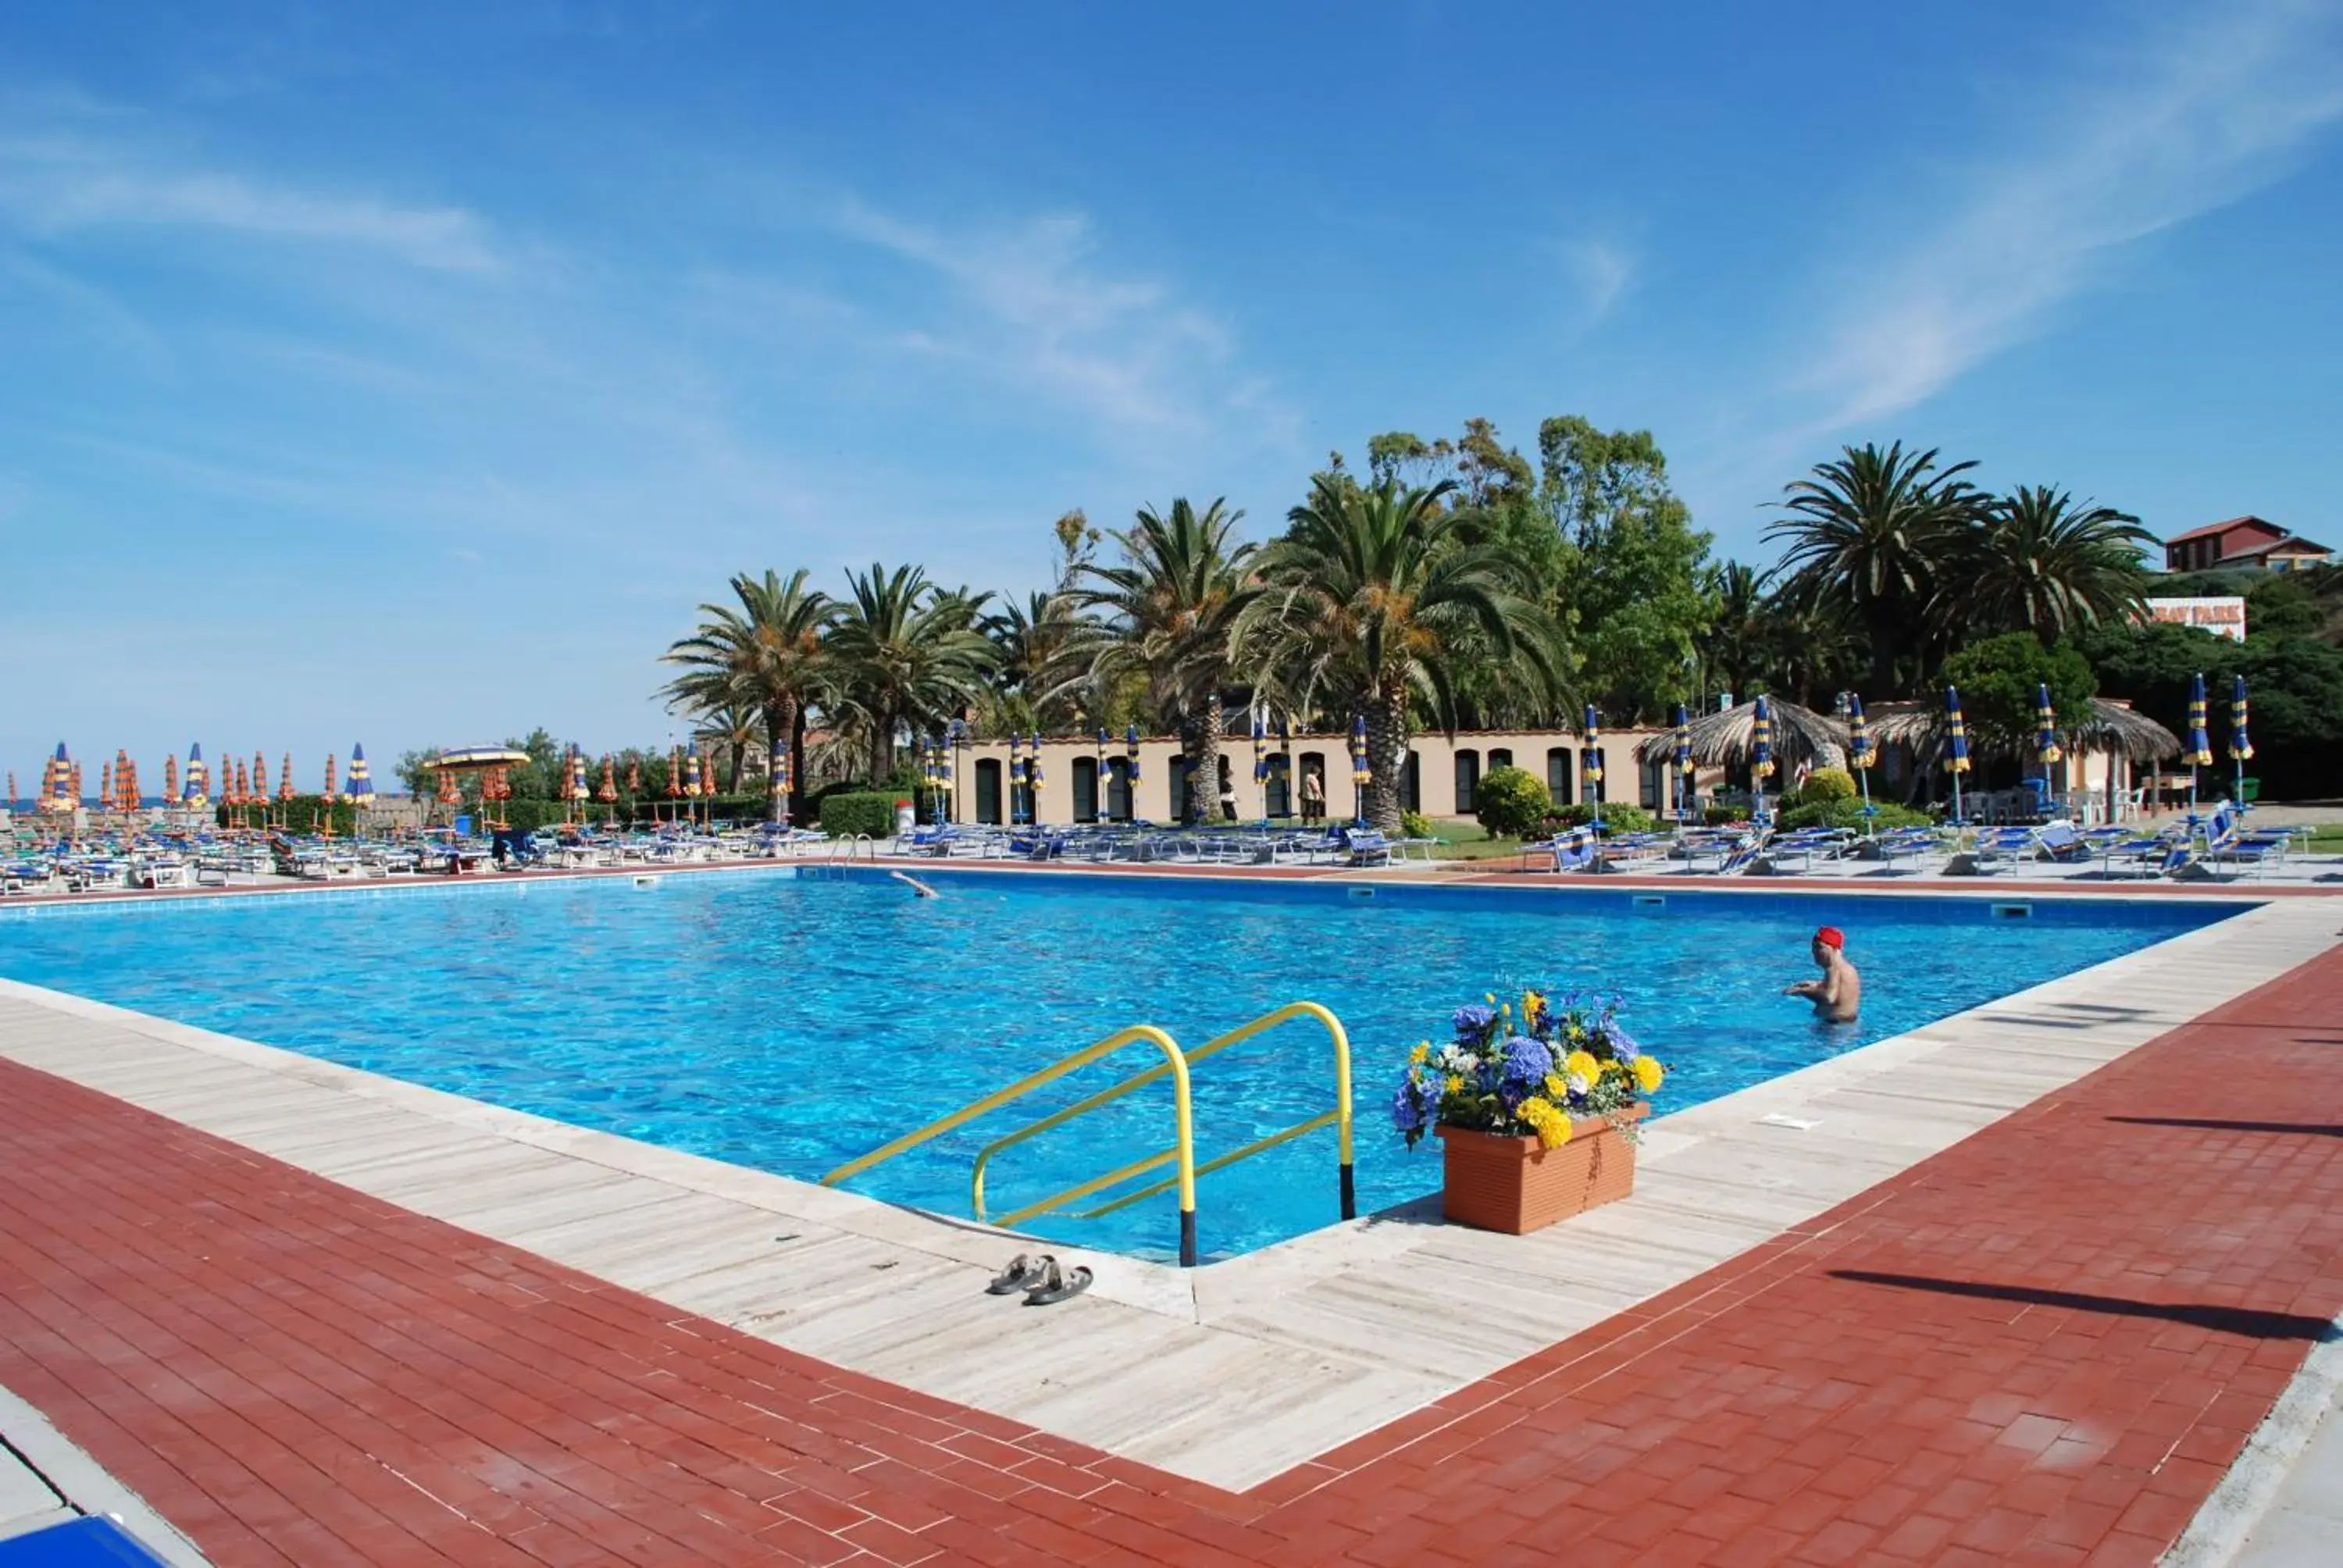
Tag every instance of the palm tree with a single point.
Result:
(2045, 563)
(734, 726)
(904, 653)
(762, 653)
(1872, 530)
(1167, 612)
(1735, 647)
(1374, 600)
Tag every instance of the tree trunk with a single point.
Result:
(1200, 744)
(1386, 756)
(797, 751)
(1883, 630)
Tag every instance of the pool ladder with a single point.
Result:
(1181, 1156)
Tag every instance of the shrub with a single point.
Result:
(1510, 801)
(1849, 814)
(1416, 825)
(298, 815)
(1723, 816)
(1617, 818)
(1824, 784)
(870, 811)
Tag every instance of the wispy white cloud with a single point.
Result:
(56, 183)
(1034, 300)
(2174, 125)
(1600, 270)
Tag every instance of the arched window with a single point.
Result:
(1086, 790)
(1410, 784)
(1118, 789)
(988, 790)
(1468, 779)
(1179, 770)
(1558, 774)
(1280, 784)
(1498, 757)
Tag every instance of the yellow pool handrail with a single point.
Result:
(1338, 1117)
(1183, 1150)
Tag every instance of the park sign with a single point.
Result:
(2221, 616)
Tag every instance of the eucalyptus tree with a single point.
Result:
(904, 654)
(1874, 531)
(1374, 601)
(1166, 612)
(2045, 563)
(761, 653)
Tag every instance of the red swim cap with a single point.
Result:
(1831, 937)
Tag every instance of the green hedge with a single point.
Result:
(298, 815)
(1849, 814)
(1617, 818)
(870, 811)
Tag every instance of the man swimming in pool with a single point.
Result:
(918, 889)
(1839, 995)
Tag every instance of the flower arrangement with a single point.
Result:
(1527, 1075)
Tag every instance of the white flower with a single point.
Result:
(1579, 1085)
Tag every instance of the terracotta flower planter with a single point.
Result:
(1517, 1185)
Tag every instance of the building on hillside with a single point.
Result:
(2245, 541)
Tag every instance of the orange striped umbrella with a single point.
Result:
(243, 796)
(634, 775)
(329, 778)
(448, 794)
(170, 779)
(675, 775)
(609, 790)
(285, 778)
(325, 801)
(105, 783)
(76, 781)
(12, 790)
(125, 784)
(260, 778)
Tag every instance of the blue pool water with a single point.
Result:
(793, 1024)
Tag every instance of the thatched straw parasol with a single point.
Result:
(2109, 726)
(1801, 735)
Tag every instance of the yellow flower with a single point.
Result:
(1421, 1054)
(1530, 1006)
(1456, 1082)
(1556, 1086)
(1552, 1126)
(1649, 1073)
(1582, 1064)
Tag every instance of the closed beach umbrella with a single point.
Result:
(285, 778)
(326, 794)
(243, 794)
(2199, 751)
(63, 792)
(608, 793)
(1761, 759)
(1685, 766)
(1033, 776)
(1261, 755)
(106, 784)
(1957, 746)
(635, 774)
(2046, 729)
(198, 793)
(126, 785)
(578, 788)
(259, 779)
(1016, 777)
(1591, 758)
(325, 801)
(170, 781)
(11, 788)
(691, 781)
(361, 789)
(1861, 753)
(1362, 775)
(2241, 745)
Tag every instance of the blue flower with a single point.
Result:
(1621, 1042)
(1527, 1062)
(1474, 1020)
(1408, 1112)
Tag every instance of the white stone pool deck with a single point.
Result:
(1230, 1374)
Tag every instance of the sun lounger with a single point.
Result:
(1369, 847)
(93, 1540)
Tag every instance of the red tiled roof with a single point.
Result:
(2283, 542)
(2210, 530)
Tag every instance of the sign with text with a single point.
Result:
(2221, 616)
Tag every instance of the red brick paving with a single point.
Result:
(2041, 1346)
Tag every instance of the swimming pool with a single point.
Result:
(791, 1023)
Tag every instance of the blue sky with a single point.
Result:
(408, 376)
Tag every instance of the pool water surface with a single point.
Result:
(791, 1023)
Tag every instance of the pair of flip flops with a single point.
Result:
(1042, 1280)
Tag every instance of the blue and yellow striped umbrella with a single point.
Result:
(1131, 756)
(579, 788)
(63, 796)
(2200, 750)
(196, 795)
(1033, 774)
(2241, 745)
(1956, 733)
(1260, 751)
(2045, 726)
(1592, 742)
(1861, 752)
(361, 789)
(1761, 744)
(1361, 774)
(1684, 764)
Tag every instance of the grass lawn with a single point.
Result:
(1463, 839)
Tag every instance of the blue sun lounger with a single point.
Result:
(91, 1541)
